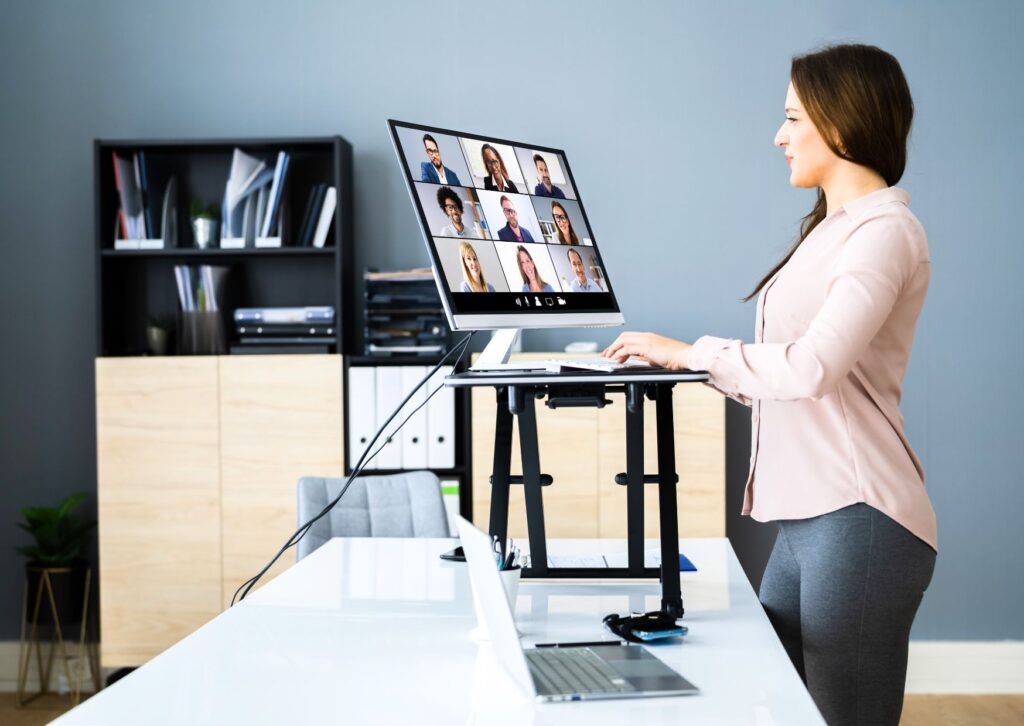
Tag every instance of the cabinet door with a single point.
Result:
(280, 420)
(568, 452)
(699, 423)
(158, 496)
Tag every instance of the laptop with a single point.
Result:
(563, 672)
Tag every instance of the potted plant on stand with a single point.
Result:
(57, 584)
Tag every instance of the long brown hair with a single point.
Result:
(858, 99)
(573, 237)
(520, 250)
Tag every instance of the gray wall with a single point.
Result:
(682, 97)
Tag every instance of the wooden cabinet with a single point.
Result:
(198, 459)
(158, 459)
(280, 420)
(584, 448)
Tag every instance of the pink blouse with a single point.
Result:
(833, 333)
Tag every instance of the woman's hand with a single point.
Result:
(656, 349)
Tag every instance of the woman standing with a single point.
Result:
(834, 326)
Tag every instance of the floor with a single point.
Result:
(917, 711)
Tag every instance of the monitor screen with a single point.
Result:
(508, 236)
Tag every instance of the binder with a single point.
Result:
(327, 207)
(362, 413)
(414, 433)
(389, 395)
(441, 423)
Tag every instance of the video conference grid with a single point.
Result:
(489, 235)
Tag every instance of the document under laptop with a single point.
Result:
(563, 672)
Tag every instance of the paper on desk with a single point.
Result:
(652, 558)
(577, 561)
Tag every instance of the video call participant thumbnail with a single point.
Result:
(577, 268)
(565, 234)
(545, 187)
(580, 282)
(472, 273)
(451, 204)
(497, 179)
(433, 170)
(512, 231)
(532, 281)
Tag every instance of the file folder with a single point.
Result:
(414, 433)
(441, 423)
(362, 413)
(389, 395)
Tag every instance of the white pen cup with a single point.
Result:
(510, 581)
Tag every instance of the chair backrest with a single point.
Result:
(397, 505)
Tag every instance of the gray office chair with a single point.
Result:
(396, 505)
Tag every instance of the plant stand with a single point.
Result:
(42, 604)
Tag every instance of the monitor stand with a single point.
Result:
(495, 355)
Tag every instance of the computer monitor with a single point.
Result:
(509, 240)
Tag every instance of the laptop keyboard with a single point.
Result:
(573, 670)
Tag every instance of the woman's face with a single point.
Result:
(809, 158)
(472, 264)
(529, 269)
(491, 162)
(561, 219)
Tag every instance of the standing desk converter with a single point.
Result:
(517, 392)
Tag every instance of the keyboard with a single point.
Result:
(573, 670)
(555, 365)
(605, 365)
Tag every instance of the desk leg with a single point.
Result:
(635, 477)
(671, 596)
(501, 468)
(530, 453)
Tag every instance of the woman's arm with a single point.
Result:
(876, 262)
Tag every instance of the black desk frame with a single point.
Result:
(517, 400)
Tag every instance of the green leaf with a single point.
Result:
(60, 537)
(70, 504)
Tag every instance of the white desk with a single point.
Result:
(375, 631)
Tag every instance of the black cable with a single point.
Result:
(308, 525)
(461, 347)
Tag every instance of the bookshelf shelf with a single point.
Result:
(136, 286)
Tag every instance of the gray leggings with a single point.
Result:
(841, 590)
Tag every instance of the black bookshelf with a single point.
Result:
(133, 286)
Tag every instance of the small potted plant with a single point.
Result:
(158, 331)
(204, 223)
(60, 541)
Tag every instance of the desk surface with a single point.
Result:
(471, 379)
(376, 631)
